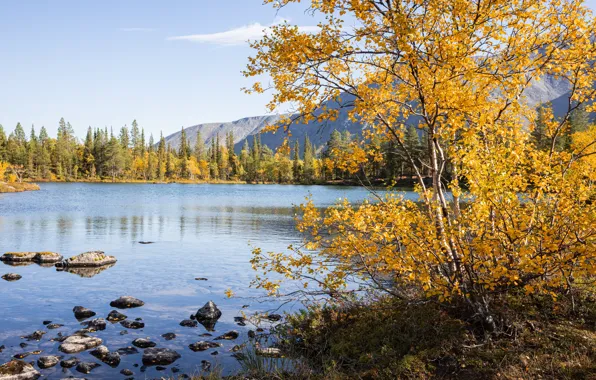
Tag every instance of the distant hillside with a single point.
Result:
(546, 90)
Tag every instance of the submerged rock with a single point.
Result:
(168, 336)
(116, 316)
(81, 312)
(160, 356)
(28, 257)
(274, 317)
(132, 324)
(126, 302)
(69, 363)
(53, 326)
(79, 343)
(127, 351)
(11, 277)
(36, 335)
(189, 323)
(203, 346)
(146, 242)
(143, 343)
(127, 372)
(201, 279)
(88, 260)
(87, 367)
(18, 370)
(47, 361)
(230, 335)
(45, 323)
(110, 358)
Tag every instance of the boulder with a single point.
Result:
(29, 257)
(189, 323)
(132, 324)
(87, 367)
(203, 346)
(126, 302)
(11, 277)
(116, 316)
(160, 356)
(69, 363)
(168, 336)
(81, 312)
(79, 343)
(88, 260)
(143, 343)
(47, 361)
(208, 312)
(99, 324)
(18, 370)
(230, 335)
(36, 335)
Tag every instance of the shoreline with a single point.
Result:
(17, 187)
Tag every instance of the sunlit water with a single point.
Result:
(198, 230)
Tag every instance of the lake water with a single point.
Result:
(198, 230)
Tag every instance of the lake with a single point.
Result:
(198, 230)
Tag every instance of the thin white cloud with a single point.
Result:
(237, 36)
(137, 29)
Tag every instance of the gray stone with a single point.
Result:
(230, 335)
(11, 277)
(30, 257)
(160, 356)
(127, 372)
(36, 335)
(168, 336)
(126, 302)
(88, 260)
(189, 323)
(132, 324)
(18, 370)
(203, 346)
(208, 312)
(53, 326)
(47, 361)
(87, 367)
(143, 343)
(116, 316)
(69, 363)
(79, 343)
(81, 312)
(99, 324)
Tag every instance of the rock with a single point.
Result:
(201, 279)
(45, 323)
(124, 332)
(143, 343)
(86, 367)
(22, 355)
(146, 242)
(127, 372)
(28, 257)
(132, 324)
(11, 277)
(206, 334)
(270, 352)
(205, 365)
(160, 368)
(79, 343)
(81, 312)
(98, 324)
(126, 302)
(240, 320)
(274, 317)
(189, 323)
(127, 351)
(251, 334)
(168, 336)
(203, 346)
(112, 359)
(237, 348)
(47, 361)
(88, 260)
(214, 353)
(53, 326)
(18, 370)
(69, 363)
(208, 312)
(23, 345)
(230, 335)
(2, 348)
(100, 352)
(36, 335)
(86, 330)
(116, 316)
(175, 370)
(160, 356)
(245, 306)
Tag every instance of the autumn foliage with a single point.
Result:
(496, 212)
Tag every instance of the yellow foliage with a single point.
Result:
(3, 168)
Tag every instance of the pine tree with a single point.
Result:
(308, 171)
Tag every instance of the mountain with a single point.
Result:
(540, 91)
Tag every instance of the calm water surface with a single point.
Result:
(198, 230)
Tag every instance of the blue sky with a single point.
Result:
(104, 63)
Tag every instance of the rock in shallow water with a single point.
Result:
(36, 335)
(127, 372)
(160, 356)
(126, 302)
(143, 343)
(87, 367)
(127, 351)
(230, 335)
(132, 324)
(116, 316)
(168, 336)
(81, 312)
(37, 257)
(208, 312)
(189, 323)
(88, 260)
(18, 370)
(69, 363)
(203, 346)
(99, 324)
(11, 277)
(79, 343)
(47, 361)
(53, 326)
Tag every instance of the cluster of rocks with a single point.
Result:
(31, 257)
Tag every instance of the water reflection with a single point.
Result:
(85, 272)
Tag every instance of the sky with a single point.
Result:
(167, 64)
